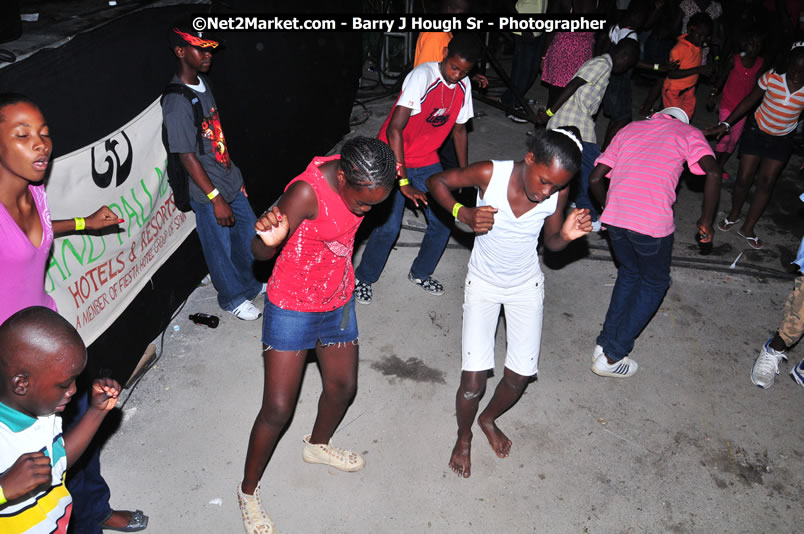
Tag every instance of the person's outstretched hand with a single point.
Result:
(416, 195)
(105, 393)
(272, 227)
(577, 224)
(102, 218)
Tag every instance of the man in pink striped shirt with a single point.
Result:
(644, 162)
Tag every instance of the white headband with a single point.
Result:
(797, 44)
(571, 136)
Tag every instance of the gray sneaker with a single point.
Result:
(766, 366)
(429, 284)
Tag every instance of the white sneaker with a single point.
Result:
(766, 366)
(246, 311)
(597, 352)
(621, 369)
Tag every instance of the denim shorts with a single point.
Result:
(289, 330)
(755, 142)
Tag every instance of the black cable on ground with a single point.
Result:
(353, 123)
(779, 275)
(701, 264)
(714, 262)
(158, 354)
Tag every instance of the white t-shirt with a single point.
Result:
(47, 510)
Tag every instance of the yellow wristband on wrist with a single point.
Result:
(455, 209)
(403, 181)
(548, 112)
(3, 499)
(212, 194)
(80, 223)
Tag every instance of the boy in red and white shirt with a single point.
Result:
(436, 100)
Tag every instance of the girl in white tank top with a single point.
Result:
(515, 201)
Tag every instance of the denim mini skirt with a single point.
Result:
(289, 330)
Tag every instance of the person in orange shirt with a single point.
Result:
(679, 86)
(430, 45)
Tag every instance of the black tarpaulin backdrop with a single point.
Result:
(284, 98)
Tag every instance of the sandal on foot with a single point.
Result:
(754, 242)
(138, 522)
(725, 225)
(255, 520)
(318, 453)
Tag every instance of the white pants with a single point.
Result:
(523, 304)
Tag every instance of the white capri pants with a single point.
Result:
(524, 306)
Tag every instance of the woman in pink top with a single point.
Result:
(310, 305)
(26, 230)
(735, 83)
(26, 234)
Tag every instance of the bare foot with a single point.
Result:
(460, 461)
(499, 441)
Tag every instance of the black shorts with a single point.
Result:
(755, 142)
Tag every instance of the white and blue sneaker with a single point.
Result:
(766, 366)
(246, 311)
(621, 369)
(798, 373)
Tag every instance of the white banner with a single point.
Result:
(94, 277)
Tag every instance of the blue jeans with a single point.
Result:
(582, 199)
(84, 481)
(642, 280)
(525, 65)
(382, 238)
(227, 251)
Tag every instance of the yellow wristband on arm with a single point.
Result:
(403, 181)
(3, 499)
(80, 223)
(548, 112)
(212, 194)
(455, 209)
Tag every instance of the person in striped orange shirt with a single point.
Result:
(767, 140)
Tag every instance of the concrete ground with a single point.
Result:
(686, 445)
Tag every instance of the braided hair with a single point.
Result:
(368, 162)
